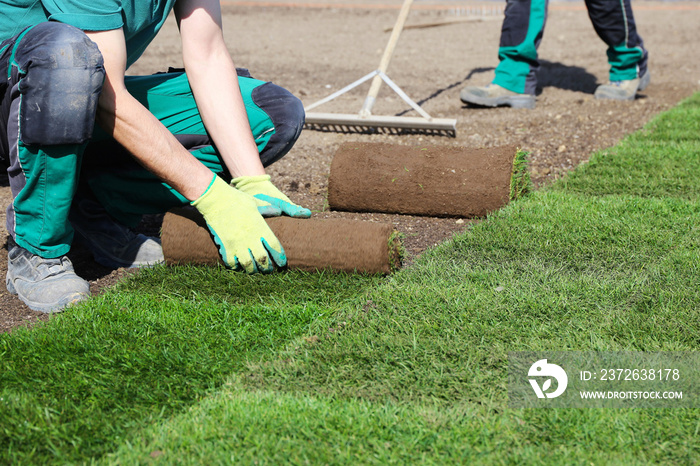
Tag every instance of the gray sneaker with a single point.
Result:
(622, 90)
(494, 95)
(112, 244)
(45, 285)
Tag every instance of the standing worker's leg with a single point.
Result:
(614, 22)
(54, 76)
(516, 74)
(127, 191)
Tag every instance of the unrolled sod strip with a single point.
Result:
(438, 181)
(310, 244)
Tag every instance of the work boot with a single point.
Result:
(622, 90)
(112, 244)
(494, 95)
(45, 285)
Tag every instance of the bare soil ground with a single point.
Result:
(314, 49)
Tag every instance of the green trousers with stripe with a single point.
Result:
(53, 150)
(125, 189)
(523, 28)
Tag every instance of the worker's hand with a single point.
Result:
(271, 202)
(244, 239)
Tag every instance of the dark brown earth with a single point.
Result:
(337, 244)
(314, 49)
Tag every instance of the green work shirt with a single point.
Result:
(140, 19)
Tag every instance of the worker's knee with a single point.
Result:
(60, 74)
(287, 114)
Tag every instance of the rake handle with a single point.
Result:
(386, 58)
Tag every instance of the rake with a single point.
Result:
(365, 119)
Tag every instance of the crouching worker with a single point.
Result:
(200, 136)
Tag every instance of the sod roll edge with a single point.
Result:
(310, 244)
(438, 181)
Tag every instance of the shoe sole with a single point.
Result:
(513, 102)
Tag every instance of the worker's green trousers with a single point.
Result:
(52, 149)
(522, 32)
(128, 191)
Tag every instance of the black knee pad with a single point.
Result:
(287, 114)
(61, 77)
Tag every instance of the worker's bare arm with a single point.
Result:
(134, 127)
(212, 76)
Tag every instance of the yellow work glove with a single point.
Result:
(271, 202)
(244, 239)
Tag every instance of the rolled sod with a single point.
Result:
(310, 244)
(435, 181)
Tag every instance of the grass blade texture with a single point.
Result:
(75, 387)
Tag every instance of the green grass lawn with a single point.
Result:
(200, 366)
